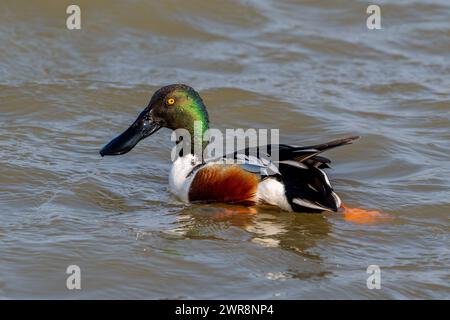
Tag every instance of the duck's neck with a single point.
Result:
(198, 138)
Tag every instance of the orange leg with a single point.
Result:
(228, 212)
(362, 216)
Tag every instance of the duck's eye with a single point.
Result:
(170, 101)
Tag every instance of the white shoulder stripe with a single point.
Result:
(309, 204)
(325, 177)
(337, 199)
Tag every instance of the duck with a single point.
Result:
(295, 181)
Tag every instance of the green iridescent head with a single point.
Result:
(176, 106)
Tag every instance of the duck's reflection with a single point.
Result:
(262, 225)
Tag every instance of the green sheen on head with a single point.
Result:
(179, 106)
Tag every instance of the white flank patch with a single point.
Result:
(178, 183)
(272, 192)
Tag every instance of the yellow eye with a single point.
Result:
(170, 101)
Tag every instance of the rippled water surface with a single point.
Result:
(310, 68)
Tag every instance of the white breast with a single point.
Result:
(179, 183)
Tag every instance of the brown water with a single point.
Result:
(310, 68)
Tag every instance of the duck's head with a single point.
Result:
(176, 106)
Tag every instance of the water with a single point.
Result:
(310, 68)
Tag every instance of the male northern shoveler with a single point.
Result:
(299, 185)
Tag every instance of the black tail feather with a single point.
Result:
(333, 144)
(309, 154)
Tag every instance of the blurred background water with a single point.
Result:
(310, 68)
